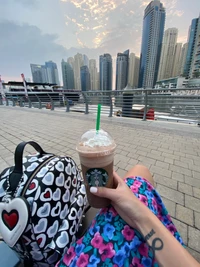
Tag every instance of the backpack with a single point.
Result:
(42, 200)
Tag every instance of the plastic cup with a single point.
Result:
(96, 153)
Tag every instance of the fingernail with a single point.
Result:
(93, 189)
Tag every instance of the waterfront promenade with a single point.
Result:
(170, 150)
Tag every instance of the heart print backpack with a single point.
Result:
(42, 200)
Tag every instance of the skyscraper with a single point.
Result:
(122, 70)
(105, 72)
(195, 64)
(52, 72)
(183, 57)
(193, 38)
(134, 67)
(177, 60)
(70, 60)
(78, 63)
(47, 73)
(39, 73)
(68, 75)
(167, 54)
(152, 36)
(85, 61)
(85, 78)
(93, 74)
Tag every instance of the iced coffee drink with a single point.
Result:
(96, 152)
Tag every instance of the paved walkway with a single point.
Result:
(171, 151)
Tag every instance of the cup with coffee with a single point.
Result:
(96, 153)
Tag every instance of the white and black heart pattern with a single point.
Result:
(44, 211)
(46, 195)
(60, 180)
(52, 245)
(2, 191)
(85, 201)
(41, 226)
(74, 181)
(34, 208)
(80, 200)
(57, 194)
(74, 171)
(32, 187)
(32, 159)
(73, 214)
(48, 178)
(30, 201)
(28, 228)
(38, 193)
(68, 182)
(26, 240)
(68, 159)
(73, 228)
(64, 226)
(64, 212)
(41, 240)
(56, 210)
(82, 189)
(68, 169)
(53, 229)
(65, 197)
(62, 240)
(24, 160)
(80, 213)
(36, 255)
(59, 166)
(42, 172)
(32, 167)
(73, 196)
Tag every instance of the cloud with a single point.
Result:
(24, 44)
(27, 3)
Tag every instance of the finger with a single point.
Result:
(104, 192)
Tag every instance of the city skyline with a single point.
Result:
(32, 37)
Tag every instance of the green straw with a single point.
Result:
(98, 118)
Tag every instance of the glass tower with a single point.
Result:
(152, 36)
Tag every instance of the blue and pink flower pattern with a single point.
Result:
(110, 242)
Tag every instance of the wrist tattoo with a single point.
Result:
(149, 235)
(157, 243)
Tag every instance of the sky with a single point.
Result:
(35, 31)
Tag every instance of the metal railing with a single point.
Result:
(161, 104)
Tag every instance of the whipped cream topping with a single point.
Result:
(94, 139)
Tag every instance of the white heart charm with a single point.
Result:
(14, 217)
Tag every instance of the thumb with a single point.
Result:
(104, 192)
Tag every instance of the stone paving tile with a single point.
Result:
(172, 154)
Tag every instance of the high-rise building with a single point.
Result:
(93, 74)
(39, 73)
(193, 38)
(47, 73)
(167, 54)
(105, 72)
(177, 61)
(70, 60)
(195, 66)
(183, 57)
(134, 67)
(85, 61)
(68, 75)
(52, 72)
(122, 70)
(152, 36)
(78, 63)
(85, 78)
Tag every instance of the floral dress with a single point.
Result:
(111, 242)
